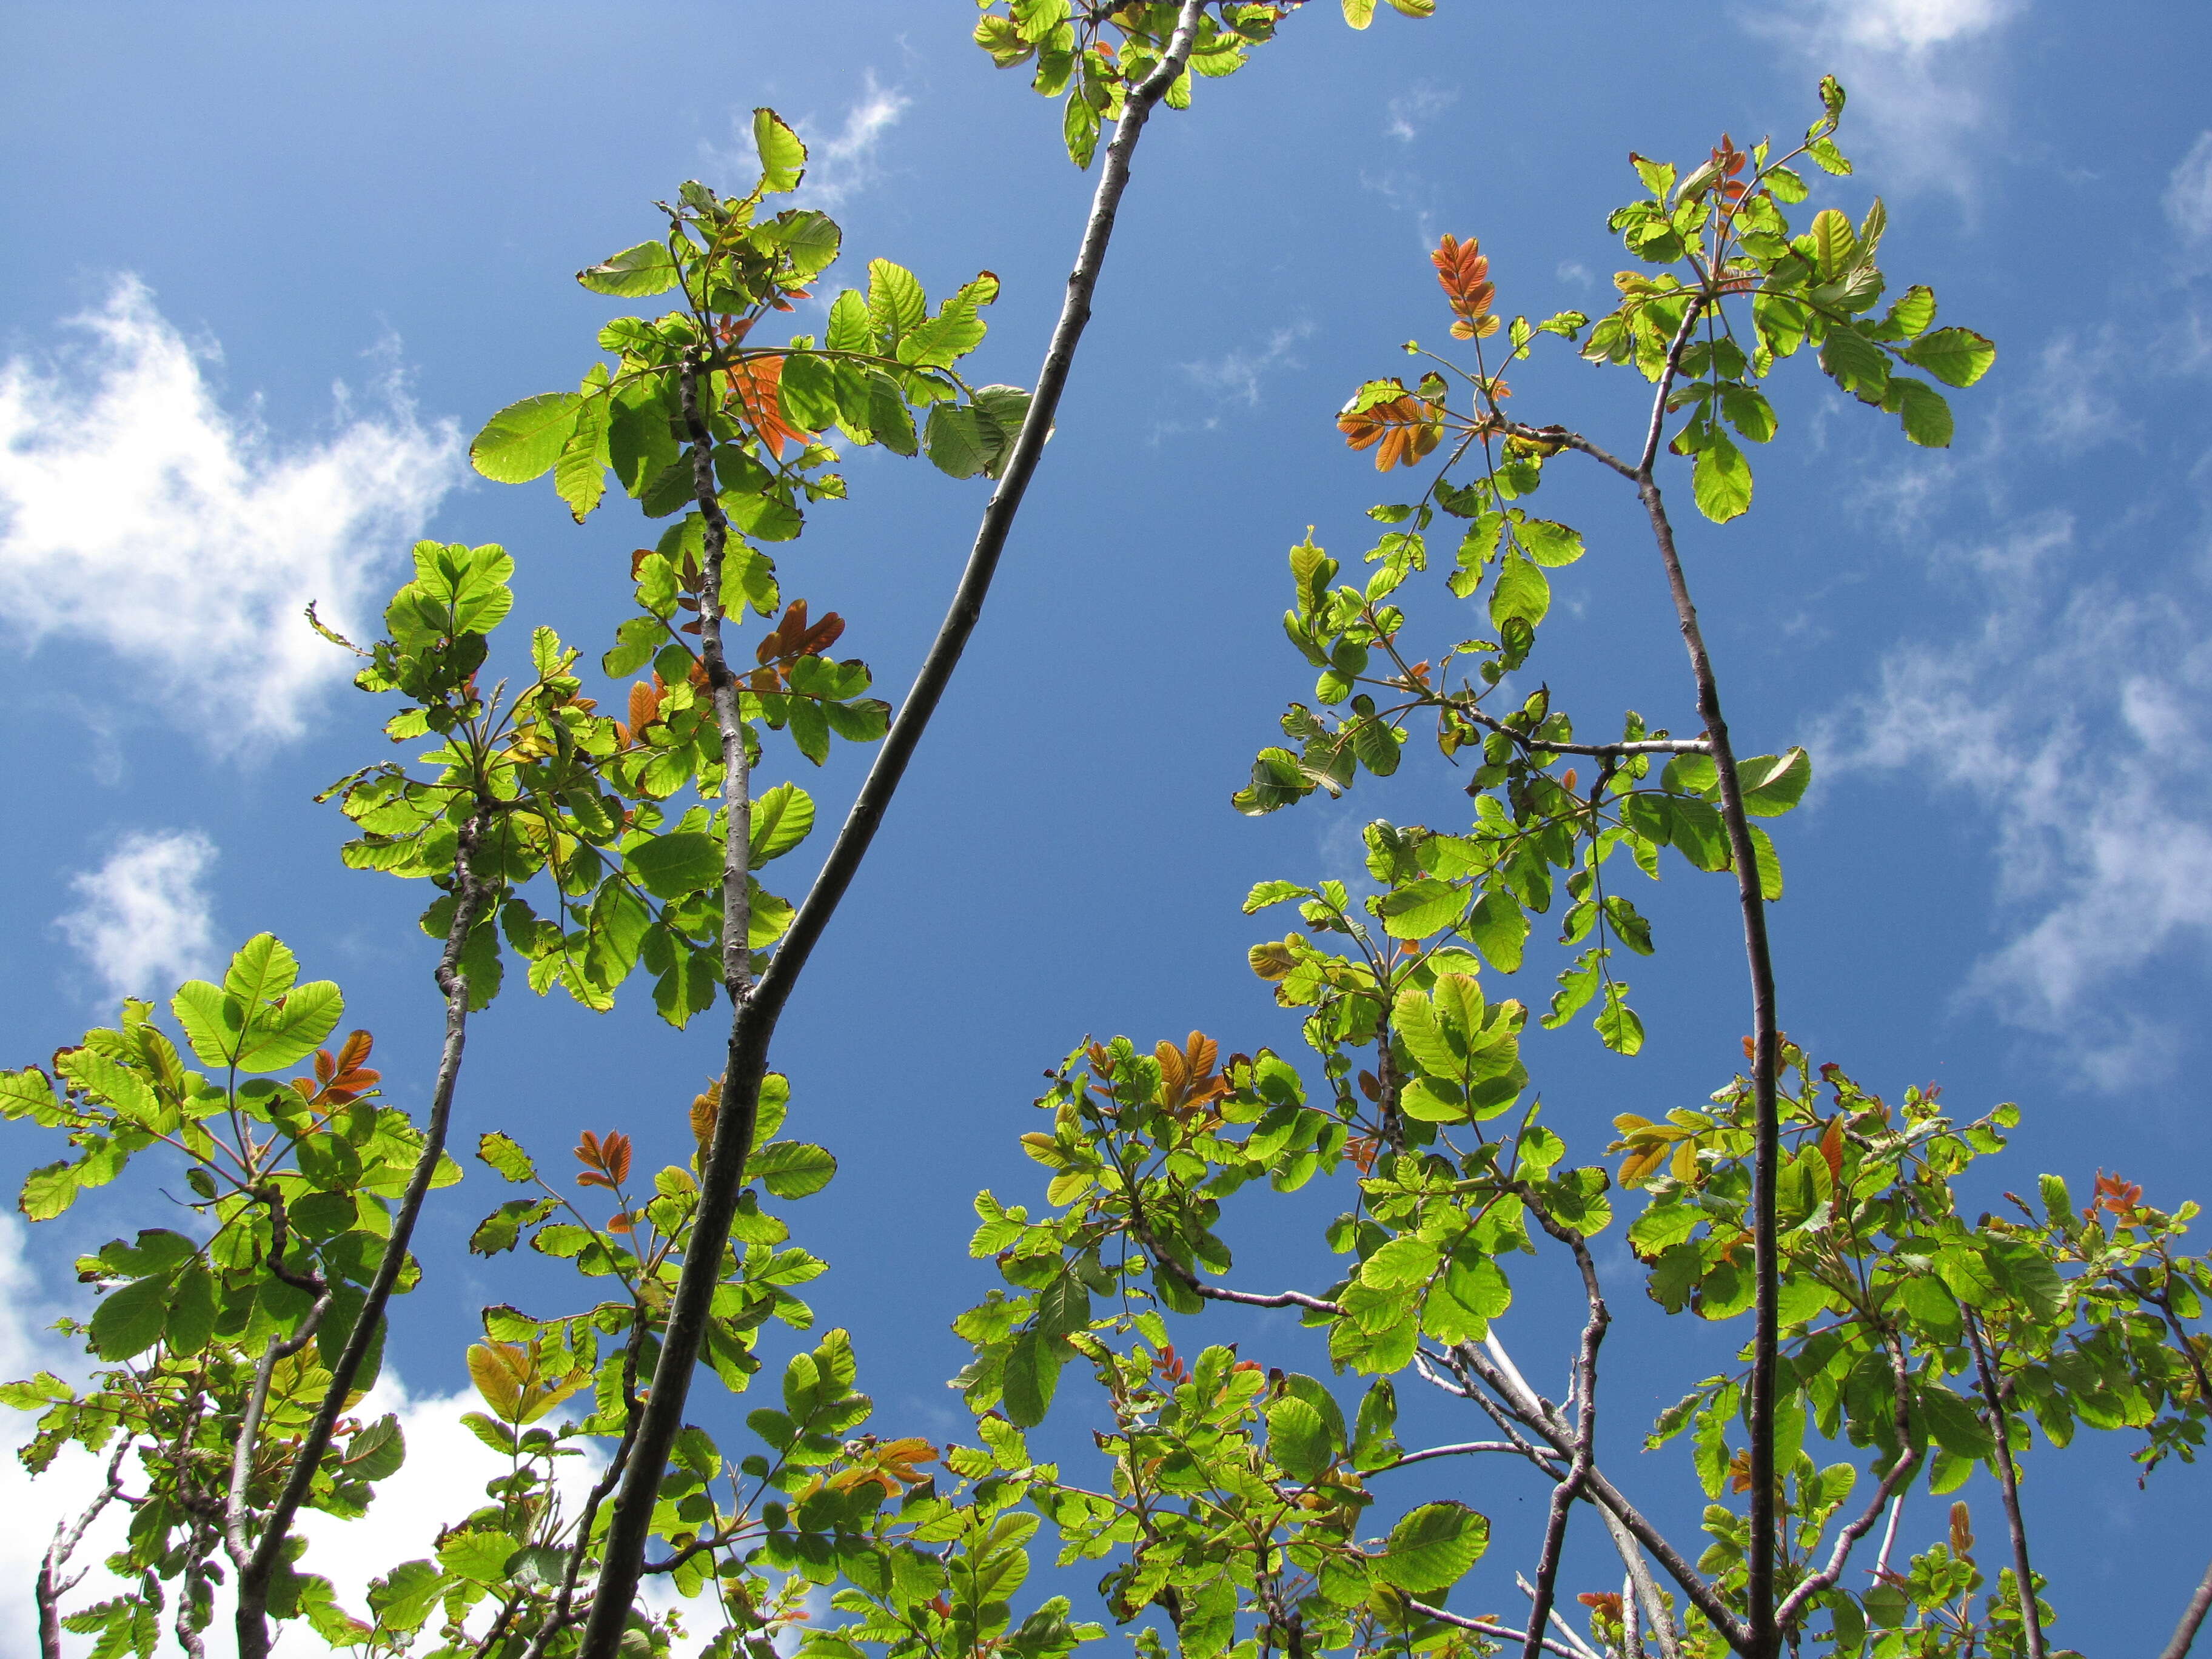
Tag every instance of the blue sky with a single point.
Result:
(273, 265)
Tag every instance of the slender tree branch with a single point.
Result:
(2192, 1617)
(1647, 1588)
(1880, 1568)
(1585, 1441)
(2031, 1615)
(1598, 750)
(1631, 1636)
(1484, 1627)
(50, 1586)
(723, 1176)
(255, 1571)
(1759, 1591)
(722, 684)
(1889, 1493)
(1464, 1448)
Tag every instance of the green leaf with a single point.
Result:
(1925, 413)
(1954, 1426)
(1400, 1264)
(288, 1034)
(782, 156)
(48, 1191)
(1956, 356)
(791, 1169)
(129, 1321)
(211, 1021)
(682, 861)
(1298, 1440)
(1421, 907)
(1032, 1375)
(781, 818)
(633, 273)
(1549, 543)
(505, 1155)
(1522, 590)
(1856, 364)
(524, 439)
(1432, 1547)
(1772, 784)
(260, 971)
(1721, 480)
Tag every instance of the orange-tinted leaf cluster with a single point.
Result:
(1728, 162)
(1362, 1150)
(890, 1465)
(756, 386)
(1187, 1080)
(1401, 431)
(644, 708)
(340, 1079)
(2119, 1196)
(1832, 1148)
(1171, 1365)
(1962, 1531)
(1463, 270)
(705, 1108)
(606, 1162)
(792, 638)
(1606, 1602)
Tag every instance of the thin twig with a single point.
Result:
(470, 892)
(1890, 1492)
(722, 1176)
(1655, 1614)
(2030, 1614)
(1585, 1441)
(50, 1587)
(1599, 750)
(1466, 1447)
(1484, 1627)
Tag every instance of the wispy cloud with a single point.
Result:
(838, 166)
(1914, 68)
(1409, 111)
(145, 922)
(2066, 714)
(1235, 376)
(2189, 192)
(139, 516)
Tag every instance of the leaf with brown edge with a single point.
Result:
(1463, 271)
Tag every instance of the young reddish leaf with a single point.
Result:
(1463, 271)
(1406, 428)
(755, 384)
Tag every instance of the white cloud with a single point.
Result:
(2189, 192)
(137, 514)
(1914, 68)
(145, 923)
(1235, 376)
(2067, 715)
(1420, 104)
(838, 167)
